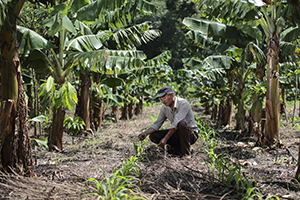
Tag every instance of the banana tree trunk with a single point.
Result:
(227, 119)
(97, 105)
(228, 112)
(125, 114)
(221, 113)
(254, 126)
(139, 106)
(15, 143)
(36, 104)
(30, 99)
(207, 109)
(214, 112)
(283, 104)
(295, 100)
(55, 139)
(97, 113)
(85, 100)
(115, 110)
(272, 99)
(130, 109)
(240, 116)
(298, 169)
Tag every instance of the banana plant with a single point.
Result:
(12, 94)
(208, 37)
(120, 46)
(208, 78)
(138, 80)
(276, 22)
(272, 17)
(62, 60)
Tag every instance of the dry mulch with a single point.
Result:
(63, 175)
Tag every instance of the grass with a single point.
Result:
(224, 173)
(116, 186)
(119, 185)
(92, 141)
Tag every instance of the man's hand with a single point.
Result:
(163, 142)
(142, 136)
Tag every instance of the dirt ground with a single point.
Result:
(63, 175)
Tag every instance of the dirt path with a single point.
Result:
(63, 175)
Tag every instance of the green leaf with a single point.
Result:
(112, 82)
(205, 27)
(85, 43)
(42, 143)
(160, 59)
(40, 118)
(72, 93)
(33, 39)
(49, 84)
(67, 24)
(77, 4)
(113, 11)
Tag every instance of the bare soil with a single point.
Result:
(63, 175)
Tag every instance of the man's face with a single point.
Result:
(167, 99)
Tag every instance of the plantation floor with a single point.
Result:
(63, 175)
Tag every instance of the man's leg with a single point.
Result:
(186, 136)
(173, 140)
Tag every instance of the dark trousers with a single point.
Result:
(181, 139)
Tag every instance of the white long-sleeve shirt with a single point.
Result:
(182, 111)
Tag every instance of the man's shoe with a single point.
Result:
(177, 151)
(174, 151)
(186, 157)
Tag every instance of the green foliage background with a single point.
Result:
(168, 20)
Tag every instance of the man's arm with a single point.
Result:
(144, 134)
(164, 141)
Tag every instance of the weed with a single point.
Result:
(139, 150)
(42, 142)
(43, 120)
(117, 185)
(272, 197)
(74, 125)
(130, 167)
(222, 169)
(114, 187)
(205, 132)
(147, 104)
(92, 141)
(55, 158)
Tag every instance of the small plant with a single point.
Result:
(74, 125)
(56, 158)
(147, 104)
(130, 167)
(92, 141)
(272, 197)
(115, 186)
(42, 142)
(138, 148)
(223, 170)
(44, 120)
(205, 132)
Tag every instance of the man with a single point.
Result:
(183, 131)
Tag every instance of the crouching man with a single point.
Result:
(183, 131)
